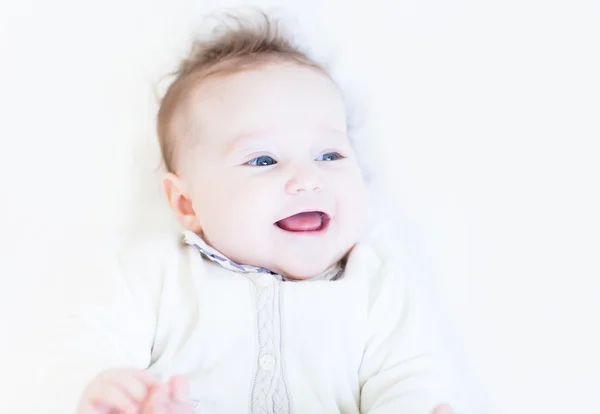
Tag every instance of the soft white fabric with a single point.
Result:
(252, 342)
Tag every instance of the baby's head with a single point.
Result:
(254, 137)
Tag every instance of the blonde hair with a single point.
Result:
(238, 44)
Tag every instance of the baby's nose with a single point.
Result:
(303, 181)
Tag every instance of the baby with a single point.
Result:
(272, 301)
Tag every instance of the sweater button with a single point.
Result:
(267, 362)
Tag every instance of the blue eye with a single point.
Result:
(262, 161)
(330, 156)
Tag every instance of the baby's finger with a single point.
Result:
(443, 409)
(155, 409)
(180, 389)
(146, 377)
(157, 400)
(136, 389)
(116, 399)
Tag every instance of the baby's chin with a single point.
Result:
(301, 274)
(301, 268)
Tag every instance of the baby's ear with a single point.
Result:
(180, 202)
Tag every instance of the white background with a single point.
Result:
(485, 116)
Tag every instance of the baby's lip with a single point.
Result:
(324, 213)
(301, 226)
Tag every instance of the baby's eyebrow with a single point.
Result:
(262, 136)
(244, 138)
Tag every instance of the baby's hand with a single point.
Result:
(170, 398)
(442, 409)
(118, 391)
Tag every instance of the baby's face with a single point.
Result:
(269, 170)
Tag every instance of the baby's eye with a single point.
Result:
(262, 161)
(330, 156)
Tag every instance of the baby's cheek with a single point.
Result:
(353, 212)
(222, 200)
(260, 199)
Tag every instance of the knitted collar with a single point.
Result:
(192, 239)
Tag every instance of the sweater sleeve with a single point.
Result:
(106, 320)
(399, 372)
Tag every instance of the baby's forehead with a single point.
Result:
(259, 104)
(238, 135)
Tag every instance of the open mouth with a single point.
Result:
(306, 222)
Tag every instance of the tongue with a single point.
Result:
(310, 221)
